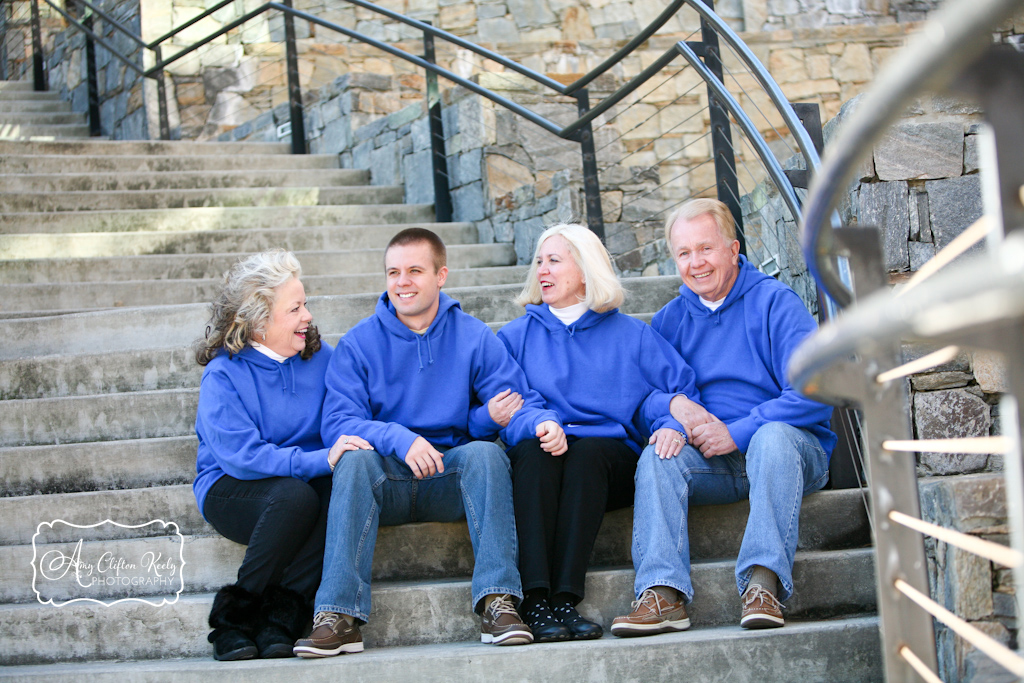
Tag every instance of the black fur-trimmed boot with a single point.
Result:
(234, 618)
(284, 617)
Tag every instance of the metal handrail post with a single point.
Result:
(161, 96)
(721, 134)
(591, 186)
(294, 86)
(95, 125)
(38, 72)
(443, 210)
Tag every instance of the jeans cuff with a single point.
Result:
(352, 612)
(478, 599)
(687, 593)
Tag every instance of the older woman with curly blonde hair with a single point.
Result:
(262, 468)
(610, 378)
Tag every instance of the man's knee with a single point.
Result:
(775, 437)
(359, 465)
(485, 457)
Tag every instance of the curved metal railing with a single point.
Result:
(855, 360)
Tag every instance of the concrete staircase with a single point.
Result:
(110, 252)
(29, 115)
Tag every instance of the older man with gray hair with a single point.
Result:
(752, 437)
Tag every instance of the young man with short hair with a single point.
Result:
(420, 380)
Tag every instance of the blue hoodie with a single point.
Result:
(389, 385)
(258, 418)
(741, 351)
(607, 374)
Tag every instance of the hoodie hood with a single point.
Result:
(748, 278)
(388, 316)
(542, 314)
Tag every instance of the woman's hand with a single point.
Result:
(346, 443)
(552, 437)
(503, 406)
(667, 442)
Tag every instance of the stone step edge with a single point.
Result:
(473, 661)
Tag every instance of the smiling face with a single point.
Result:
(707, 262)
(289, 320)
(414, 285)
(561, 280)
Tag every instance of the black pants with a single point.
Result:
(560, 502)
(283, 521)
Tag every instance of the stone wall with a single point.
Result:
(122, 109)
(16, 36)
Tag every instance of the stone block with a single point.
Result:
(915, 350)
(884, 205)
(418, 176)
(526, 234)
(460, 16)
(953, 205)
(336, 137)
(970, 154)
(497, 30)
(920, 254)
(619, 237)
(504, 175)
(990, 371)
(465, 168)
(934, 381)
(920, 151)
(468, 203)
(384, 166)
(951, 413)
(787, 65)
(576, 24)
(531, 13)
(491, 11)
(854, 65)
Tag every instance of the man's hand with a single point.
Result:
(713, 438)
(346, 443)
(689, 414)
(503, 406)
(423, 459)
(667, 442)
(552, 437)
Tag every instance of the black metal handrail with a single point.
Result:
(579, 130)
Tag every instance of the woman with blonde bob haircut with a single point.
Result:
(262, 469)
(610, 379)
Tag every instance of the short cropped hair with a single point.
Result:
(604, 291)
(694, 208)
(414, 235)
(244, 305)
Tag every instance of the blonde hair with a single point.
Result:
(243, 307)
(718, 211)
(604, 291)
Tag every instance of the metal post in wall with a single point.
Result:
(721, 134)
(161, 96)
(591, 185)
(443, 210)
(95, 127)
(298, 124)
(38, 72)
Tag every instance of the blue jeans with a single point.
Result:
(781, 464)
(371, 489)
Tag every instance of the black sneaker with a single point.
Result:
(545, 625)
(331, 636)
(500, 624)
(578, 627)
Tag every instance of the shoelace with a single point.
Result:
(756, 592)
(650, 599)
(326, 619)
(502, 605)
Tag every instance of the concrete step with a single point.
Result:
(98, 466)
(829, 584)
(13, 86)
(29, 95)
(169, 326)
(133, 200)
(108, 417)
(200, 219)
(147, 147)
(232, 240)
(34, 106)
(48, 118)
(838, 651)
(141, 163)
(830, 520)
(180, 180)
(199, 266)
(163, 292)
(27, 131)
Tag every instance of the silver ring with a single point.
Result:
(345, 440)
(676, 441)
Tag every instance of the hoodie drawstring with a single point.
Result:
(420, 339)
